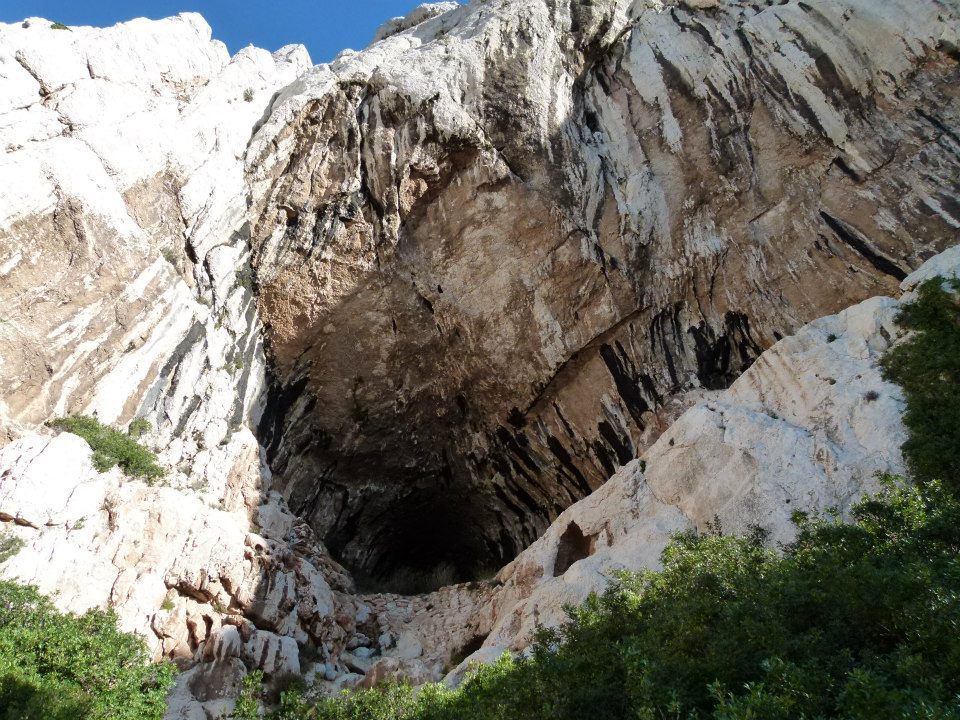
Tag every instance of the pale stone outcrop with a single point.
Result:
(157, 554)
(122, 245)
(127, 292)
(189, 575)
(416, 16)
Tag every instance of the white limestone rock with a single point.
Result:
(180, 573)
(126, 249)
(275, 654)
(415, 17)
(134, 137)
(808, 427)
(946, 265)
(49, 482)
(408, 646)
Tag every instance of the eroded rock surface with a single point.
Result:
(123, 250)
(497, 253)
(127, 293)
(491, 247)
(808, 427)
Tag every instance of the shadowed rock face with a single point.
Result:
(491, 248)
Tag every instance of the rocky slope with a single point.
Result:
(424, 307)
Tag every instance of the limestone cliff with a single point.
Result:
(432, 308)
(491, 248)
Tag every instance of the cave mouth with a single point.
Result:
(403, 507)
(430, 538)
(411, 492)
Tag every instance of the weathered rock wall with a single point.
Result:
(123, 236)
(808, 427)
(496, 254)
(491, 247)
(127, 292)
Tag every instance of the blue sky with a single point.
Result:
(324, 26)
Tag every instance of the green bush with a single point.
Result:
(10, 545)
(247, 707)
(58, 26)
(139, 427)
(852, 621)
(57, 666)
(927, 366)
(111, 447)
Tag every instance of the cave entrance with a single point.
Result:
(429, 538)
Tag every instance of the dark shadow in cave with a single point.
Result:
(428, 540)
(573, 547)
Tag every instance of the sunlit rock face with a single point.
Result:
(424, 306)
(126, 293)
(492, 248)
(123, 236)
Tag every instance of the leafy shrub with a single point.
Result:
(248, 95)
(139, 427)
(111, 447)
(57, 666)
(927, 366)
(851, 621)
(58, 26)
(10, 545)
(247, 707)
(389, 702)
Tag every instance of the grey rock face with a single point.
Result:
(490, 249)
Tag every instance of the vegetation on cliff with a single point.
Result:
(112, 447)
(927, 366)
(56, 666)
